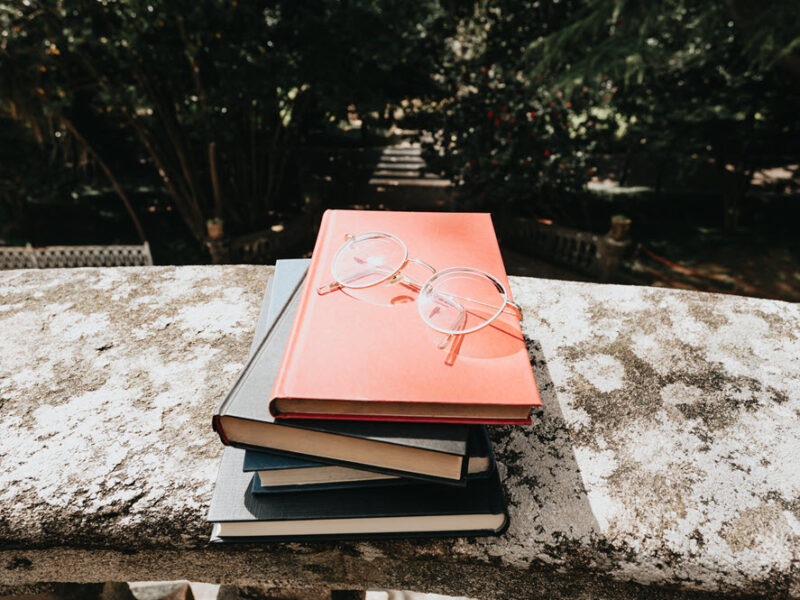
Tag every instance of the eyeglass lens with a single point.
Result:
(368, 259)
(460, 301)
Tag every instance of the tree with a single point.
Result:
(218, 95)
(514, 140)
(537, 88)
(715, 81)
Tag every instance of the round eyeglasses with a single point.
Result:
(454, 301)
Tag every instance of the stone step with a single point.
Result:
(392, 151)
(403, 158)
(432, 181)
(400, 165)
(389, 173)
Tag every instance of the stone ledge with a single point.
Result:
(664, 454)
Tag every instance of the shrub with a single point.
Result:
(511, 139)
(684, 80)
(690, 81)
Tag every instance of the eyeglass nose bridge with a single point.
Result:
(398, 276)
(423, 263)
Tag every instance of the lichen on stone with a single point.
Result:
(664, 452)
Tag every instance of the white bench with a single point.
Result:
(48, 257)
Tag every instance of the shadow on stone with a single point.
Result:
(547, 501)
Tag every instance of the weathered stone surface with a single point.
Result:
(663, 455)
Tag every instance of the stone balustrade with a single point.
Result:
(662, 464)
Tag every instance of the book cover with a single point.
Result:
(378, 359)
(422, 509)
(273, 473)
(421, 450)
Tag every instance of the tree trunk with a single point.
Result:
(117, 187)
(734, 189)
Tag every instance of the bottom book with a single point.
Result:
(416, 510)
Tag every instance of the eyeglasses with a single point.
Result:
(454, 301)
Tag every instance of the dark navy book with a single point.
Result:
(415, 510)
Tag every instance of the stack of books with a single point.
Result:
(349, 420)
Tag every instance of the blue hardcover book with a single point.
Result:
(273, 473)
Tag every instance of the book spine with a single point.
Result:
(277, 388)
(216, 425)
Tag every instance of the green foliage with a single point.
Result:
(691, 81)
(681, 69)
(683, 80)
(367, 53)
(625, 40)
(218, 95)
(512, 139)
(28, 172)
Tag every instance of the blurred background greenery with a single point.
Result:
(131, 120)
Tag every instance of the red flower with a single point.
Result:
(569, 104)
(505, 108)
(497, 122)
(490, 114)
(547, 153)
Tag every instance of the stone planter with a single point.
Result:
(215, 229)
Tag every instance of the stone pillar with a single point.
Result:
(220, 251)
(613, 246)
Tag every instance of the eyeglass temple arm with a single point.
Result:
(328, 288)
(459, 322)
